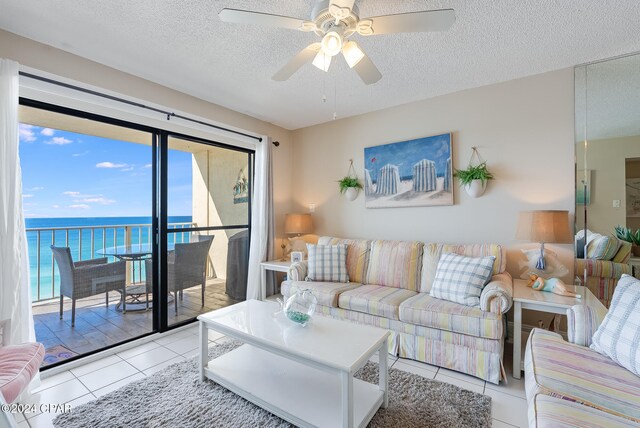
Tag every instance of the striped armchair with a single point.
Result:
(603, 275)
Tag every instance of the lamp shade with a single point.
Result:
(544, 226)
(298, 224)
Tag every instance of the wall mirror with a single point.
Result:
(607, 130)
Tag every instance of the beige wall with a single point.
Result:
(46, 58)
(523, 128)
(606, 159)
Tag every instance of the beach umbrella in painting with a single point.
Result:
(424, 176)
(388, 180)
(368, 184)
(447, 176)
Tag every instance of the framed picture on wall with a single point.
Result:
(583, 187)
(297, 256)
(415, 173)
(633, 197)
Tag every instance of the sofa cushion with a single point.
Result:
(327, 263)
(395, 264)
(546, 411)
(576, 373)
(18, 365)
(461, 279)
(326, 292)
(618, 337)
(444, 315)
(375, 300)
(624, 253)
(357, 255)
(433, 251)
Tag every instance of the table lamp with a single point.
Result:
(298, 224)
(544, 226)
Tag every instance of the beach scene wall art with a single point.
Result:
(413, 173)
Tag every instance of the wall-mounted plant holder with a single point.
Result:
(350, 185)
(474, 179)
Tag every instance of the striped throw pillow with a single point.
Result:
(618, 337)
(603, 248)
(327, 263)
(461, 279)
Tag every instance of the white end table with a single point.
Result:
(273, 265)
(543, 301)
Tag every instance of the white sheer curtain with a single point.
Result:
(262, 222)
(15, 302)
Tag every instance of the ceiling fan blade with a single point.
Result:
(257, 18)
(367, 70)
(304, 56)
(413, 22)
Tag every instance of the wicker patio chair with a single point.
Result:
(186, 267)
(87, 278)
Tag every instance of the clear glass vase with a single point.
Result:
(300, 306)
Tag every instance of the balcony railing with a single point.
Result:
(84, 242)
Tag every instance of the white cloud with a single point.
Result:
(34, 189)
(55, 206)
(148, 165)
(47, 132)
(79, 206)
(111, 165)
(97, 200)
(26, 133)
(58, 141)
(127, 169)
(75, 155)
(26, 195)
(70, 193)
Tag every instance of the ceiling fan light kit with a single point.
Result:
(335, 21)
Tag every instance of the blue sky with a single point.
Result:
(65, 174)
(406, 154)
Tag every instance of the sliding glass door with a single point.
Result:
(208, 227)
(131, 230)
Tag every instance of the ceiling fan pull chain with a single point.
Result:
(335, 103)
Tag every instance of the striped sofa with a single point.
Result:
(389, 288)
(570, 385)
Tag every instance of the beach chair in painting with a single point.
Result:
(388, 181)
(424, 176)
(87, 278)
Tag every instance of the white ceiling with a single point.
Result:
(183, 45)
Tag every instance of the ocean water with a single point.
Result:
(86, 237)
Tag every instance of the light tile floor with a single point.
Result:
(85, 383)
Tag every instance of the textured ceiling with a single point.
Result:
(183, 45)
(608, 99)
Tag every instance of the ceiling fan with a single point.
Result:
(336, 21)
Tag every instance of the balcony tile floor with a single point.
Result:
(98, 326)
(85, 383)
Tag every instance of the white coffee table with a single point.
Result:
(301, 374)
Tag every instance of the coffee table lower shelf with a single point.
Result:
(303, 395)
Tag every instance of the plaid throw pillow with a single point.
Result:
(461, 279)
(327, 263)
(618, 337)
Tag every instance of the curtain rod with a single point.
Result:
(169, 114)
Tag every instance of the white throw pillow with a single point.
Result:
(327, 263)
(461, 279)
(618, 337)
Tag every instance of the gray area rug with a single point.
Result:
(175, 397)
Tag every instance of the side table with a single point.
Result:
(634, 262)
(272, 265)
(543, 301)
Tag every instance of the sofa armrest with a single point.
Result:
(602, 268)
(582, 323)
(297, 271)
(497, 295)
